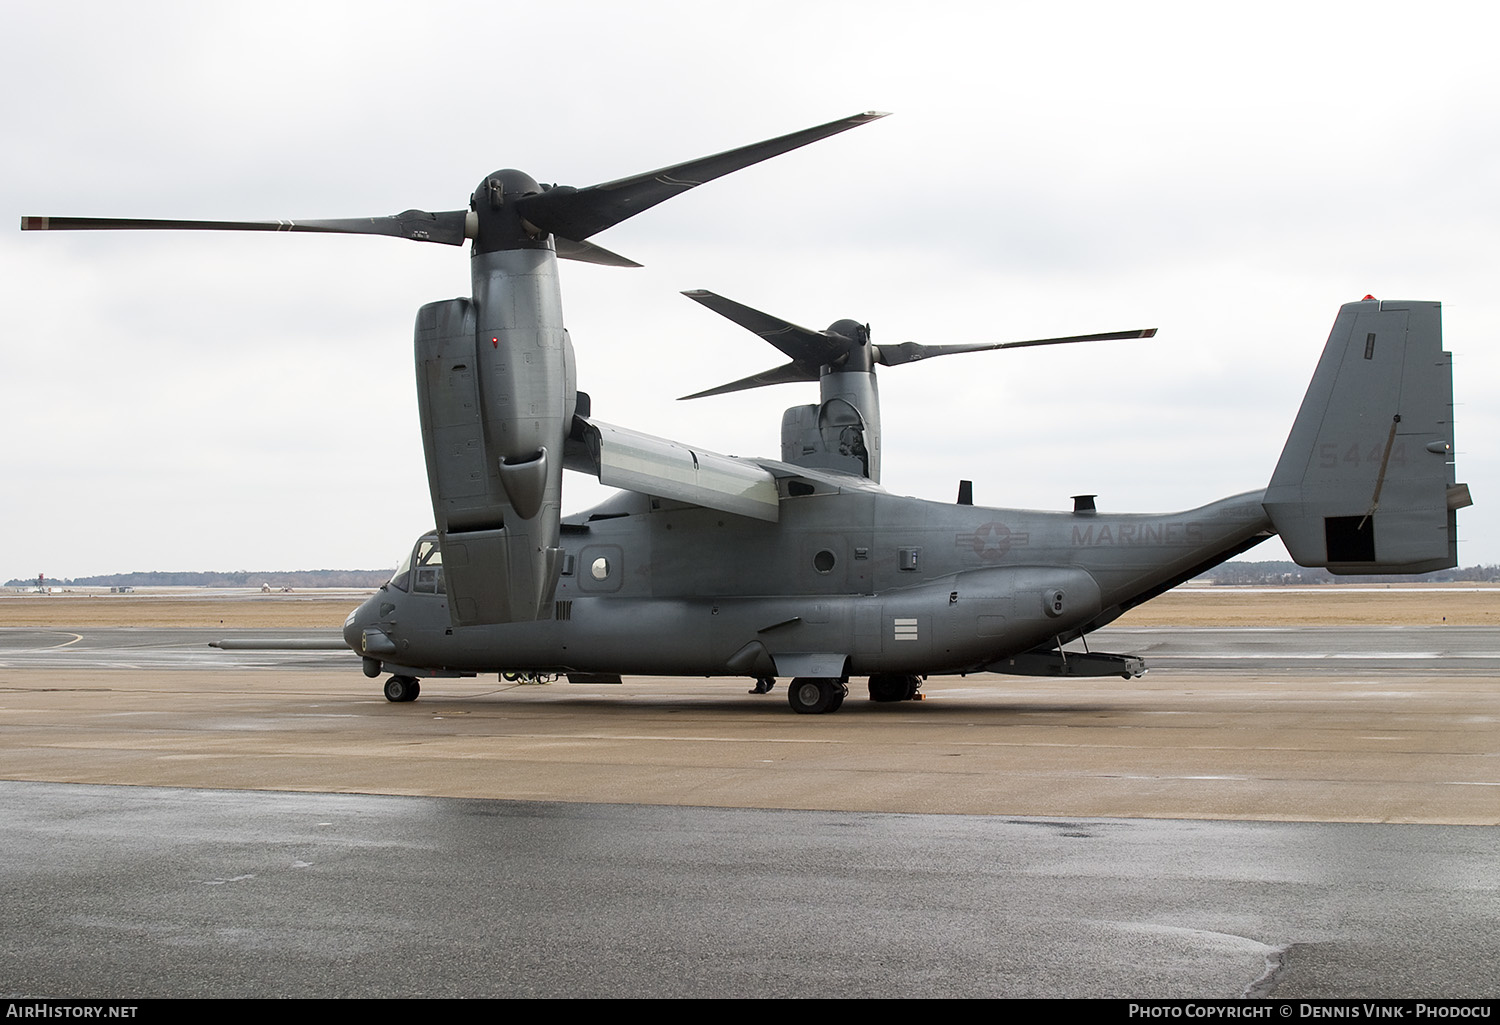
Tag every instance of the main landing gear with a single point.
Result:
(402, 688)
(814, 695)
(894, 687)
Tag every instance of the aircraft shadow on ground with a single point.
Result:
(707, 704)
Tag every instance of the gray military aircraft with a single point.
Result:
(803, 567)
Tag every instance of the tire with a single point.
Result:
(840, 692)
(401, 688)
(813, 695)
(888, 687)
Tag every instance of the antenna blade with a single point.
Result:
(910, 352)
(579, 213)
(447, 228)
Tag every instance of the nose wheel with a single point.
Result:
(402, 688)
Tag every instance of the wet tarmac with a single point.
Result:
(138, 892)
(1170, 836)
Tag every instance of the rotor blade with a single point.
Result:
(801, 344)
(910, 352)
(448, 228)
(587, 252)
(781, 375)
(579, 213)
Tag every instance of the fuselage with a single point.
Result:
(887, 584)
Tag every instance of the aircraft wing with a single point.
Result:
(627, 459)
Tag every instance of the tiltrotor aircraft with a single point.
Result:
(802, 567)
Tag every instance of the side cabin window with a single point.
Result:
(427, 567)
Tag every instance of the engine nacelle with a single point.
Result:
(840, 433)
(490, 432)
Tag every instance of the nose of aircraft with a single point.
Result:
(363, 634)
(354, 626)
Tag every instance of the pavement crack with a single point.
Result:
(1265, 984)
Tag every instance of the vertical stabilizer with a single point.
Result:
(1366, 483)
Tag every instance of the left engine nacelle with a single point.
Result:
(498, 520)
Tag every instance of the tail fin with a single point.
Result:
(1366, 482)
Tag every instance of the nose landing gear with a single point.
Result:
(402, 688)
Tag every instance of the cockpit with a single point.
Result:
(421, 571)
(390, 630)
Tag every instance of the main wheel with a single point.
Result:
(402, 688)
(894, 687)
(840, 692)
(814, 695)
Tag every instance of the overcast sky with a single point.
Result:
(1230, 175)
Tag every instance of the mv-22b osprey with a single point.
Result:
(802, 567)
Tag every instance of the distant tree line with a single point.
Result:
(1228, 573)
(1289, 573)
(353, 578)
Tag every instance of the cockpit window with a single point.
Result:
(400, 579)
(429, 568)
